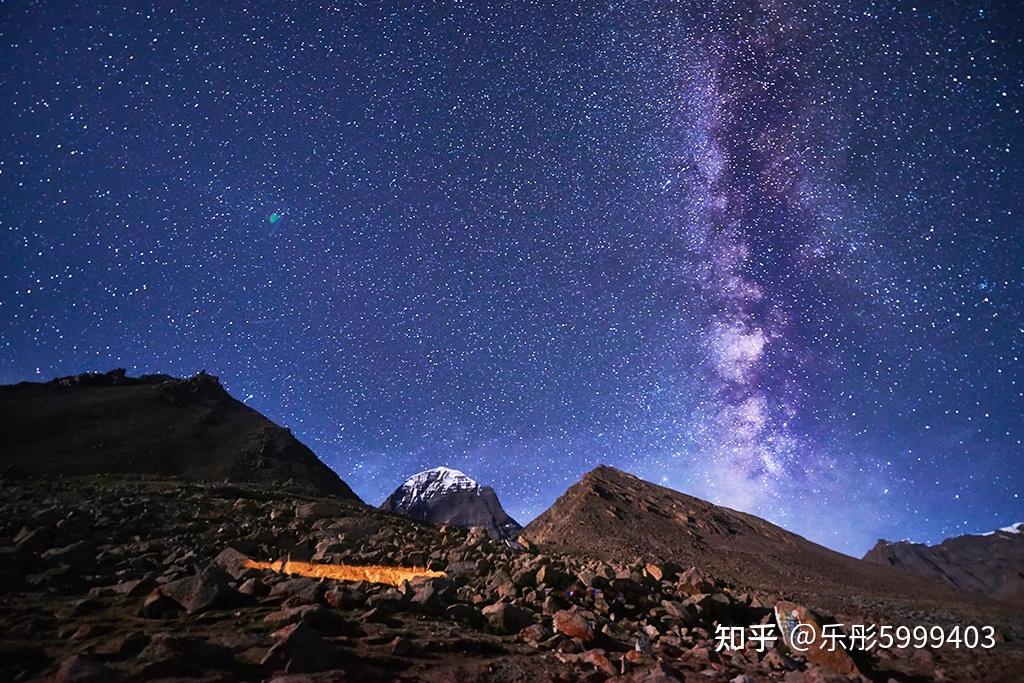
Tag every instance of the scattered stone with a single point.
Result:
(234, 563)
(466, 614)
(299, 649)
(400, 646)
(315, 510)
(507, 619)
(79, 556)
(301, 590)
(158, 606)
(206, 590)
(79, 669)
(574, 625)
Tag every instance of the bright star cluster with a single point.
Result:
(766, 253)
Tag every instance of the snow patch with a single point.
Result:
(1017, 528)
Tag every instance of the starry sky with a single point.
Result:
(766, 253)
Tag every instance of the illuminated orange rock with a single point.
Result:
(393, 576)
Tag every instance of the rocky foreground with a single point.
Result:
(135, 578)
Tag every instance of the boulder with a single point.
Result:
(465, 614)
(234, 563)
(206, 590)
(79, 556)
(299, 649)
(574, 624)
(299, 590)
(507, 619)
(790, 615)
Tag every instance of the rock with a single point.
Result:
(299, 649)
(836, 659)
(254, 587)
(430, 595)
(465, 614)
(79, 669)
(134, 588)
(158, 606)
(121, 646)
(653, 673)
(79, 556)
(316, 510)
(467, 569)
(378, 616)
(400, 646)
(693, 582)
(524, 578)
(678, 610)
(300, 590)
(600, 661)
(28, 541)
(234, 563)
(169, 655)
(206, 590)
(344, 598)
(551, 577)
(317, 616)
(574, 624)
(388, 601)
(776, 661)
(507, 619)
(714, 607)
(535, 633)
(552, 604)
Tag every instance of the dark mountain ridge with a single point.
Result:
(109, 423)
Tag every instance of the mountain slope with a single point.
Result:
(991, 564)
(611, 514)
(445, 496)
(155, 424)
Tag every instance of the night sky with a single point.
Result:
(764, 253)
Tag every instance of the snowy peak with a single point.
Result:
(430, 484)
(443, 495)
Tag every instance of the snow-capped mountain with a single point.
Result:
(447, 496)
(991, 563)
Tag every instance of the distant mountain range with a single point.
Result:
(991, 564)
(445, 496)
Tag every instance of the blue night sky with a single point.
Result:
(766, 253)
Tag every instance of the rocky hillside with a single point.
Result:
(991, 564)
(445, 496)
(109, 578)
(613, 514)
(155, 424)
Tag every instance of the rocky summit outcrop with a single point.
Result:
(129, 578)
(110, 423)
(610, 513)
(446, 496)
(991, 564)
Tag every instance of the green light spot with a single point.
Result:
(274, 217)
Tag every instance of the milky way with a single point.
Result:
(767, 253)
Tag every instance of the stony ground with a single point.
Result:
(108, 578)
